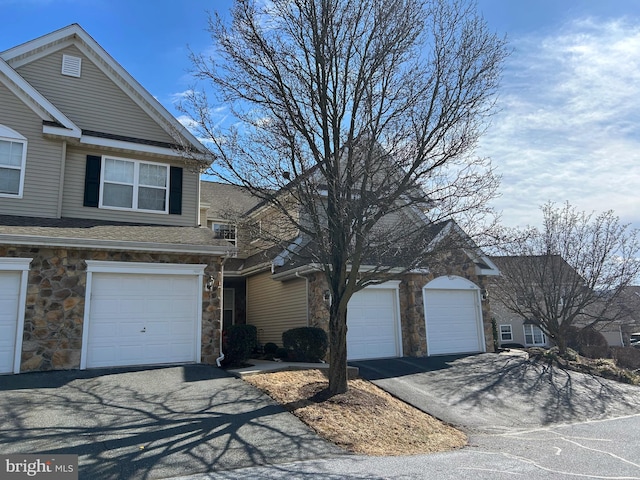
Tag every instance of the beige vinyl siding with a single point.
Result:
(73, 197)
(43, 162)
(274, 306)
(93, 101)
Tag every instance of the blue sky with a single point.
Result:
(568, 128)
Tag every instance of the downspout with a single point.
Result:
(221, 296)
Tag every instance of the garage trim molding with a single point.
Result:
(21, 265)
(97, 266)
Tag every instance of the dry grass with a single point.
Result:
(364, 420)
(601, 367)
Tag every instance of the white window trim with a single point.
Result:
(135, 184)
(234, 240)
(10, 135)
(18, 265)
(510, 332)
(533, 337)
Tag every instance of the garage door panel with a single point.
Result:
(141, 319)
(9, 297)
(372, 324)
(452, 321)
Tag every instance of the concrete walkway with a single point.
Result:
(267, 366)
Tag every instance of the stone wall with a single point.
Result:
(414, 335)
(54, 313)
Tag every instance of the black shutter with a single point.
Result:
(92, 181)
(175, 191)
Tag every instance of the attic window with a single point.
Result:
(224, 232)
(71, 66)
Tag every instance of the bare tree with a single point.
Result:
(362, 113)
(570, 273)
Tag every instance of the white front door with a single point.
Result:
(372, 323)
(9, 302)
(142, 319)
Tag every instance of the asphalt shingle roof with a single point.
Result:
(225, 199)
(98, 230)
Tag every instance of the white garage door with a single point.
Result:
(9, 297)
(372, 322)
(142, 319)
(453, 323)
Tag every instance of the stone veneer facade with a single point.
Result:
(54, 313)
(412, 319)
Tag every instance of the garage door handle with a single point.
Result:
(144, 330)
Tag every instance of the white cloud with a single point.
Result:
(569, 126)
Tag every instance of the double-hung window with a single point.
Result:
(506, 335)
(134, 185)
(533, 335)
(13, 154)
(224, 231)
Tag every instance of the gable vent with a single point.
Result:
(71, 66)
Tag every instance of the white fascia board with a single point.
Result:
(37, 102)
(316, 267)
(113, 245)
(491, 272)
(305, 269)
(255, 269)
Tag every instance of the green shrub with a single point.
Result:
(270, 348)
(306, 344)
(282, 354)
(238, 343)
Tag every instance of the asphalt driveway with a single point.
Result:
(152, 423)
(492, 393)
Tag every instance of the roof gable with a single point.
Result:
(58, 123)
(75, 38)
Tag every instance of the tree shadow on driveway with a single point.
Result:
(155, 423)
(498, 393)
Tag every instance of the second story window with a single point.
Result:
(134, 185)
(13, 153)
(224, 231)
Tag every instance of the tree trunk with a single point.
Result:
(561, 343)
(337, 350)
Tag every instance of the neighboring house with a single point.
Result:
(440, 311)
(515, 330)
(102, 261)
(629, 302)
